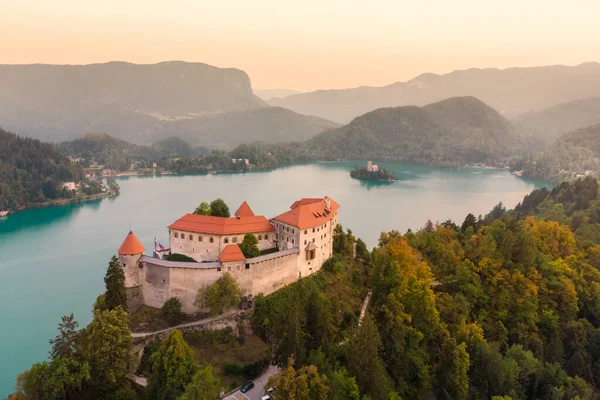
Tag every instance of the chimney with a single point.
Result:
(327, 202)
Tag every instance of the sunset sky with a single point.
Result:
(305, 45)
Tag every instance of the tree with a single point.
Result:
(343, 386)
(202, 209)
(62, 378)
(470, 221)
(224, 293)
(63, 345)
(249, 246)
(173, 367)
(171, 311)
(115, 286)
(303, 384)
(106, 345)
(218, 208)
(204, 386)
(452, 375)
(364, 362)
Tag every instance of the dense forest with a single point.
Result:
(32, 172)
(502, 306)
(574, 153)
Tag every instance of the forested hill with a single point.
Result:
(452, 132)
(31, 172)
(512, 91)
(548, 124)
(573, 154)
(60, 102)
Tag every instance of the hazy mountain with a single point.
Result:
(551, 122)
(269, 125)
(267, 94)
(57, 102)
(511, 91)
(452, 132)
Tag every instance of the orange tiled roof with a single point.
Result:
(131, 245)
(222, 226)
(231, 252)
(307, 213)
(244, 211)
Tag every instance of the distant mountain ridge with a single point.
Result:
(267, 94)
(227, 130)
(511, 91)
(57, 102)
(452, 133)
(548, 124)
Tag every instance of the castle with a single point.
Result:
(295, 244)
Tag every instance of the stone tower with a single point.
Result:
(129, 254)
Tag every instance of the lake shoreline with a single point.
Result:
(65, 202)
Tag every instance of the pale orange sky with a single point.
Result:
(306, 44)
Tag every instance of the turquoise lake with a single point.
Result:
(53, 260)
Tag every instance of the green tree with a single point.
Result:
(343, 386)
(202, 209)
(204, 386)
(106, 344)
(63, 345)
(303, 384)
(171, 311)
(173, 367)
(364, 362)
(224, 293)
(470, 221)
(452, 374)
(218, 208)
(249, 246)
(115, 286)
(62, 378)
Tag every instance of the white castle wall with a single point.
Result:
(199, 247)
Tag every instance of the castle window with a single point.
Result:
(292, 241)
(259, 237)
(226, 240)
(124, 265)
(305, 232)
(191, 237)
(313, 240)
(176, 234)
(229, 268)
(247, 266)
(325, 235)
(212, 240)
(266, 237)
(234, 239)
(183, 235)
(313, 230)
(199, 238)
(305, 242)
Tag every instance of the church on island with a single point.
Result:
(293, 244)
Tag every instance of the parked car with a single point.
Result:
(266, 397)
(247, 386)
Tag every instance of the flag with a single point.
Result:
(158, 246)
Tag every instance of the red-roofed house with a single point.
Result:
(309, 226)
(204, 237)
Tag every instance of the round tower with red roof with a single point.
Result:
(129, 254)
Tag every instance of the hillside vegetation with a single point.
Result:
(572, 155)
(548, 124)
(452, 132)
(511, 91)
(32, 172)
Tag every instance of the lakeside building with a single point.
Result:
(296, 243)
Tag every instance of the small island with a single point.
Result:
(372, 172)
